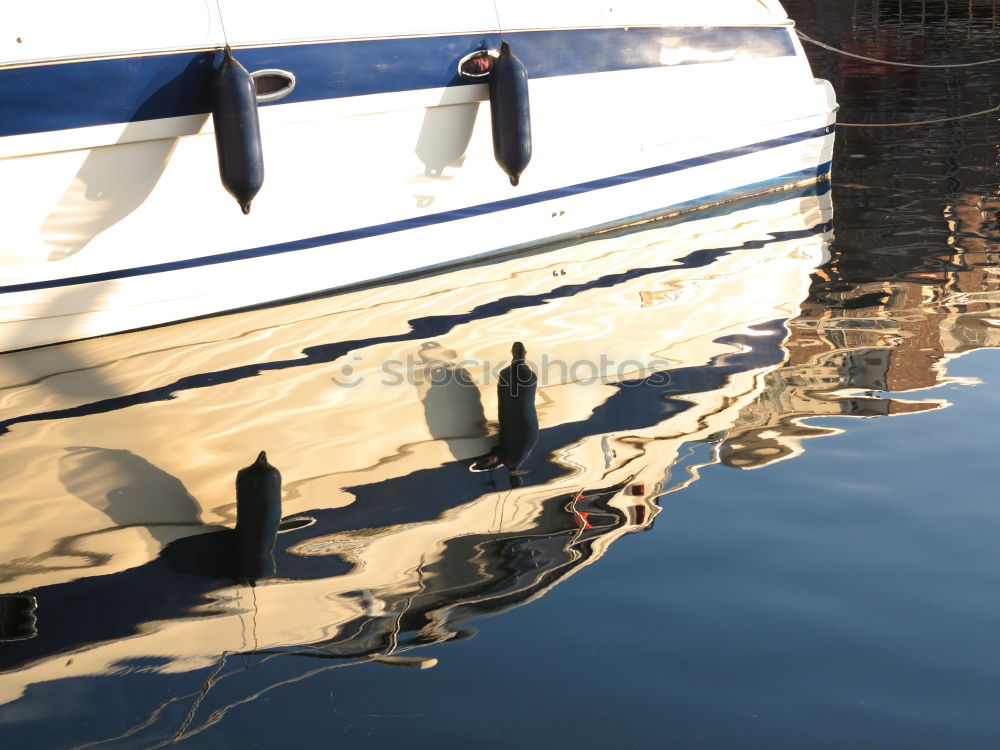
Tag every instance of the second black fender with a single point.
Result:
(237, 131)
(510, 113)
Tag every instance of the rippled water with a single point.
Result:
(708, 545)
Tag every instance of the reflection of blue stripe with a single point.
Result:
(463, 213)
(101, 92)
(439, 325)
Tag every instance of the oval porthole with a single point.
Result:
(477, 64)
(296, 522)
(272, 85)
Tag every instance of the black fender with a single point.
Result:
(510, 113)
(237, 131)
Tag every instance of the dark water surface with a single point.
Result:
(719, 539)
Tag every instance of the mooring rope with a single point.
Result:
(818, 43)
(936, 121)
(917, 122)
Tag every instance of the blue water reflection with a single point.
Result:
(631, 588)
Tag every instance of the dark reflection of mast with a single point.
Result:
(486, 573)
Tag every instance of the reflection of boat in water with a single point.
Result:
(378, 159)
(861, 344)
(123, 455)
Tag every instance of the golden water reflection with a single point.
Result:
(659, 353)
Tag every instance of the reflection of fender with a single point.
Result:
(258, 513)
(518, 417)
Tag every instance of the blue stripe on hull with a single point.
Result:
(103, 92)
(432, 326)
(468, 212)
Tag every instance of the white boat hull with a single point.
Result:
(117, 226)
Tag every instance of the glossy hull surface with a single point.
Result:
(379, 163)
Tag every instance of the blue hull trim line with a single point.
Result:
(463, 213)
(103, 92)
(432, 326)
